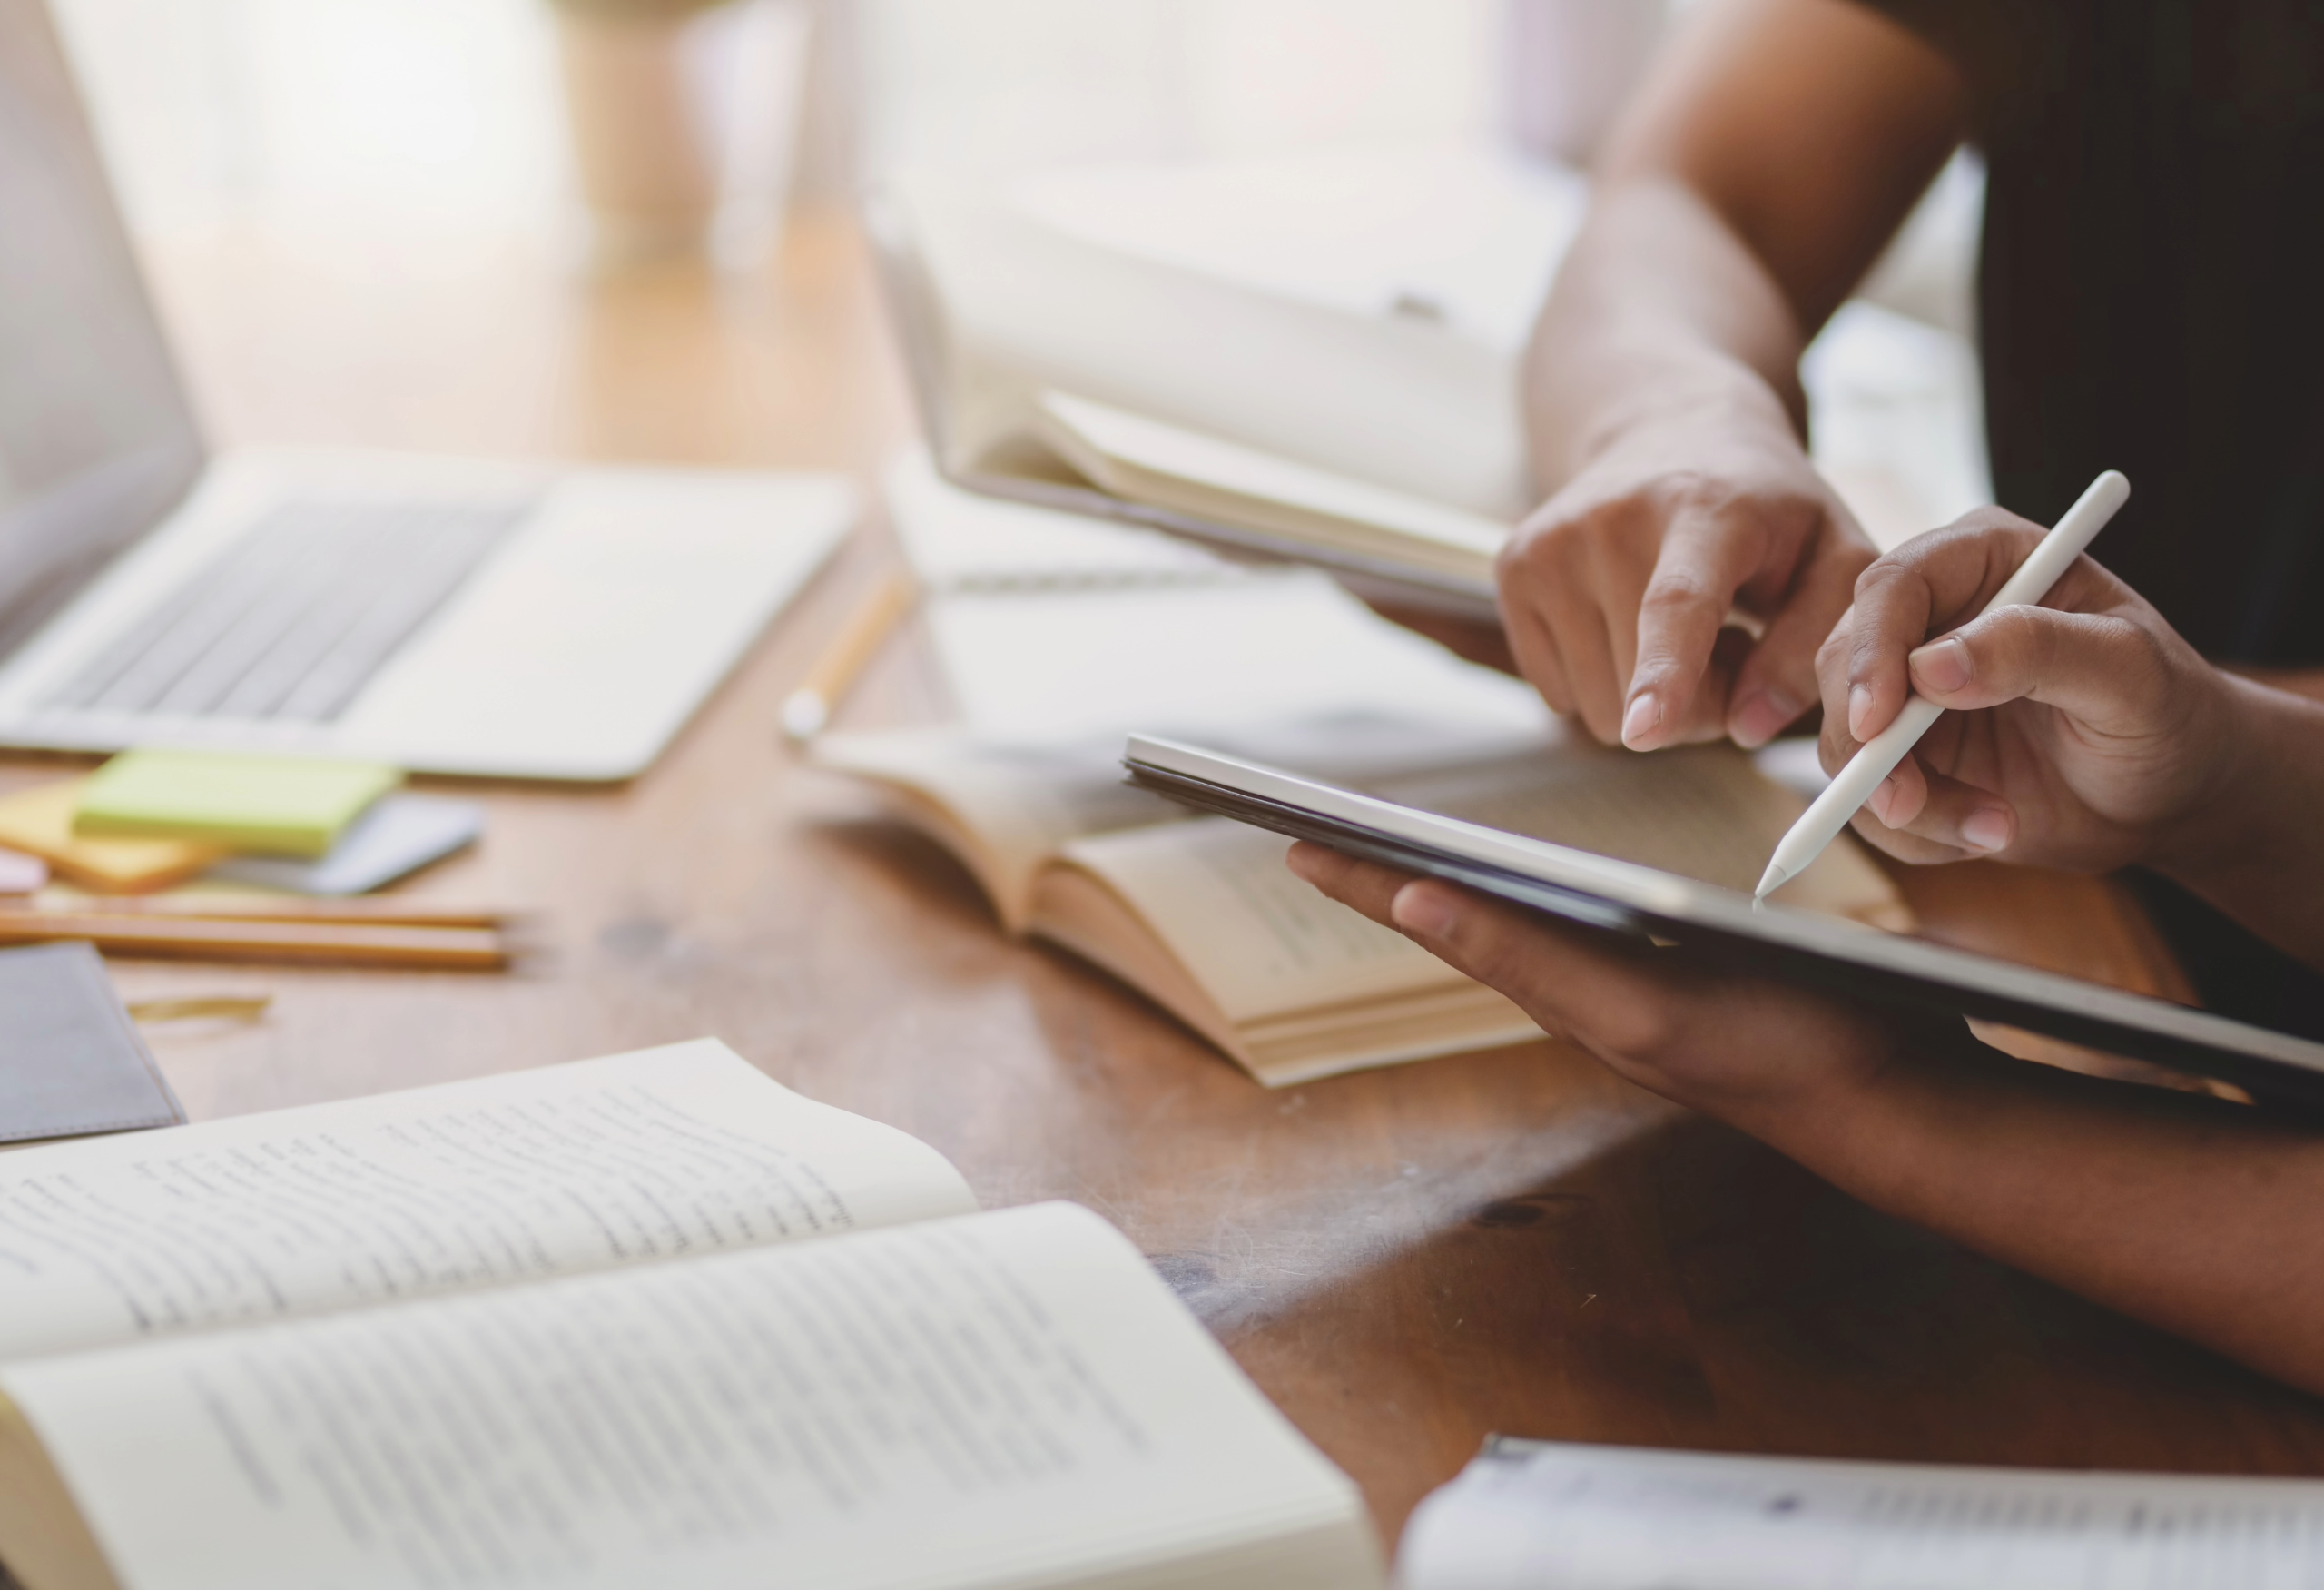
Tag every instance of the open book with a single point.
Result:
(1538, 1513)
(651, 1320)
(1058, 359)
(1201, 915)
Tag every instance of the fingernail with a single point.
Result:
(1422, 912)
(1762, 716)
(1859, 710)
(1941, 665)
(1642, 719)
(1986, 828)
(1302, 861)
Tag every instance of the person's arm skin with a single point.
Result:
(1767, 159)
(2308, 682)
(2083, 733)
(2201, 1217)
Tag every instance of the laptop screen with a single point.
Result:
(98, 441)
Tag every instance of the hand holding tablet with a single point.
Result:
(1722, 927)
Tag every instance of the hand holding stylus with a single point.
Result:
(2079, 733)
(1877, 758)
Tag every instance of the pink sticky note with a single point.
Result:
(21, 873)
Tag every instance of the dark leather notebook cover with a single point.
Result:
(71, 1062)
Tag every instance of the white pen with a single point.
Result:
(1877, 757)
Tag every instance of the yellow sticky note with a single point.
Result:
(273, 805)
(39, 822)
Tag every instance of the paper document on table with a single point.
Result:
(1527, 1513)
(1006, 1402)
(1199, 659)
(489, 1183)
(1162, 638)
(959, 541)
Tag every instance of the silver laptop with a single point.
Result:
(449, 616)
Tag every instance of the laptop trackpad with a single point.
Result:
(582, 646)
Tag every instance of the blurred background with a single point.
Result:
(401, 142)
(448, 112)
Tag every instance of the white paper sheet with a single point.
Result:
(1543, 1516)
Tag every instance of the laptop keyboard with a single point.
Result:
(292, 620)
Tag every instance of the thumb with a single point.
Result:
(2100, 667)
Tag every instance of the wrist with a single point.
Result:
(1727, 404)
(1847, 1093)
(1646, 394)
(1867, 1130)
(2234, 814)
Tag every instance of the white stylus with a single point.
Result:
(1877, 757)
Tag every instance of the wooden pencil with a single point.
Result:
(380, 912)
(454, 948)
(807, 709)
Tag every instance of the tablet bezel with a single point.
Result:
(1813, 950)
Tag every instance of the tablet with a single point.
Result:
(1816, 952)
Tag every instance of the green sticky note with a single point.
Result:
(272, 805)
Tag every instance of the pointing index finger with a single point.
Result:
(1704, 561)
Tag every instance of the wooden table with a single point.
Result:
(1403, 1260)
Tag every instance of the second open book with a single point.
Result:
(1054, 363)
(652, 1319)
(1201, 915)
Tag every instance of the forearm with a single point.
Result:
(2308, 682)
(2250, 849)
(2202, 1218)
(1756, 175)
(1661, 315)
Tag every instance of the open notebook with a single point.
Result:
(646, 1321)
(1058, 359)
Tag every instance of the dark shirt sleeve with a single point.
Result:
(2003, 48)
